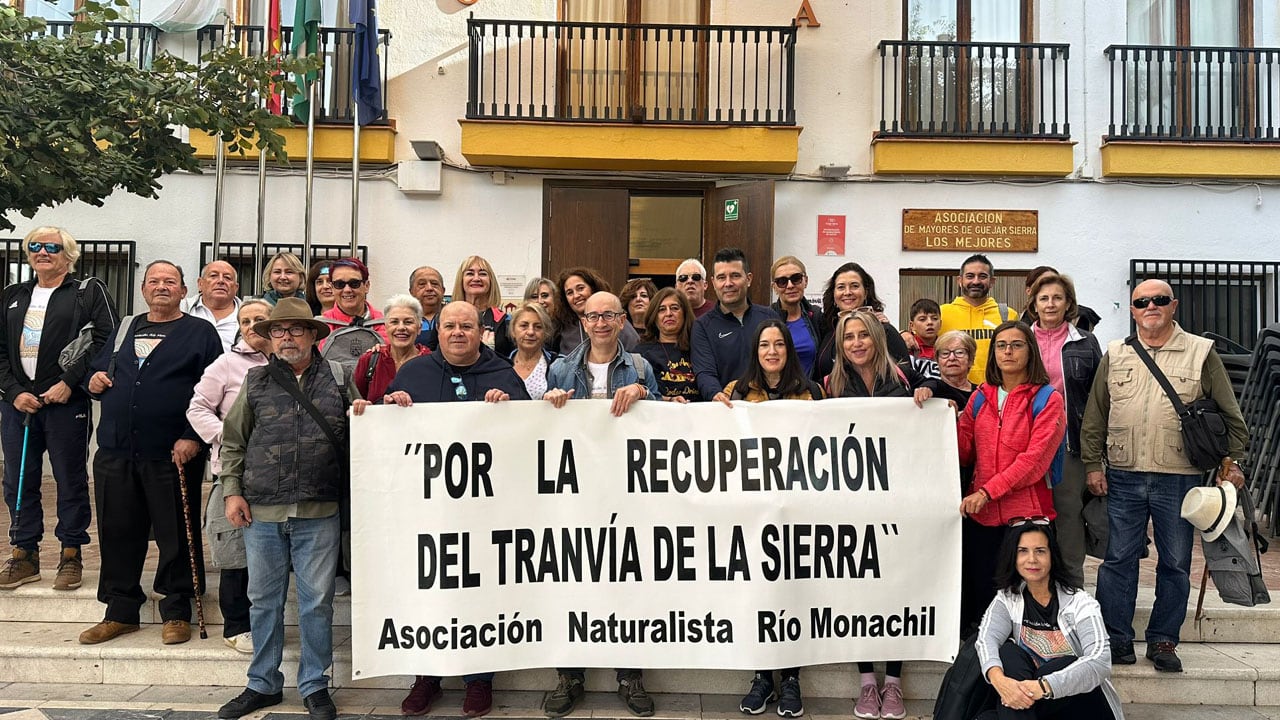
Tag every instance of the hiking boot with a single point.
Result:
(789, 702)
(22, 568)
(631, 690)
(564, 698)
(479, 699)
(175, 632)
(425, 691)
(104, 631)
(759, 696)
(247, 702)
(891, 705)
(1164, 655)
(868, 706)
(1122, 654)
(70, 569)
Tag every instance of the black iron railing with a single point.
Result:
(973, 89)
(337, 47)
(1233, 299)
(139, 39)
(630, 73)
(243, 257)
(1194, 93)
(110, 261)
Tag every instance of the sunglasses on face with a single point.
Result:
(1160, 301)
(696, 277)
(344, 284)
(785, 280)
(51, 248)
(459, 390)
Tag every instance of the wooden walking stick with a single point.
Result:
(191, 551)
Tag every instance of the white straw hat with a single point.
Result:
(1210, 509)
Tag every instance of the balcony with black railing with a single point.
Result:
(1194, 94)
(336, 50)
(139, 39)
(653, 84)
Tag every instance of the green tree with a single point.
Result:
(78, 123)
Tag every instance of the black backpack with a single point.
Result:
(964, 693)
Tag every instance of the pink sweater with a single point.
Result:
(215, 393)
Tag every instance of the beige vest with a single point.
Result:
(1143, 432)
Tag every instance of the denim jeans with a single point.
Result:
(311, 545)
(1132, 497)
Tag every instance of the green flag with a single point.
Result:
(305, 41)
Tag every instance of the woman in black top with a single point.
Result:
(668, 325)
(954, 353)
(852, 288)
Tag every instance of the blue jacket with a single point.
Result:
(570, 373)
(721, 346)
(144, 412)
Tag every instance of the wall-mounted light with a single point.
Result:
(427, 149)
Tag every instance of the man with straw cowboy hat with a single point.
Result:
(284, 462)
(145, 376)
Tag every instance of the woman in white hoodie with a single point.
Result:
(1042, 642)
(214, 394)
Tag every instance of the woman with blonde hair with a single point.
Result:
(530, 327)
(475, 283)
(808, 328)
(283, 277)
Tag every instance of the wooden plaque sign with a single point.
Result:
(971, 230)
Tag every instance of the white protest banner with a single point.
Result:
(515, 535)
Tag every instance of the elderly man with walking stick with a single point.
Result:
(145, 376)
(284, 470)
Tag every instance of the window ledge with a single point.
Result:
(1129, 158)
(972, 156)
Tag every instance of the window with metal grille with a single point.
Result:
(1228, 298)
(111, 261)
(249, 266)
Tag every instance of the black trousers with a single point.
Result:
(977, 571)
(138, 497)
(233, 601)
(63, 432)
(1018, 665)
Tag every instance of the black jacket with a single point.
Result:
(144, 412)
(819, 329)
(59, 329)
(1080, 358)
(429, 378)
(827, 351)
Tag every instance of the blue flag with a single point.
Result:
(366, 77)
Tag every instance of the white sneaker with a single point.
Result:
(242, 643)
(341, 586)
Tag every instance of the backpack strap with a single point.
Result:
(1004, 311)
(1041, 399)
(125, 328)
(373, 365)
(639, 363)
(340, 377)
(976, 404)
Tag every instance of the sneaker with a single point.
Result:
(247, 702)
(891, 705)
(242, 643)
(564, 698)
(789, 702)
(631, 690)
(868, 706)
(425, 691)
(479, 699)
(70, 569)
(320, 706)
(1122, 654)
(1164, 655)
(760, 695)
(22, 568)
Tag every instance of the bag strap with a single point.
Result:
(1178, 407)
(978, 400)
(639, 363)
(1041, 399)
(373, 365)
(78, 313)
(125, 328)
(291, 386)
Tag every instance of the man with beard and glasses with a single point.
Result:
(974, 311)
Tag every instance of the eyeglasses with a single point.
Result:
(696, 277)
(344, 284)
(1016, 346)
(459, 389)
(607, 316)
(51, 248)
(793, 279)
(1033, 520)
(292, 331)
(1142, 302)
(958, 352)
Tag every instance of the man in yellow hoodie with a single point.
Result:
(974, 311)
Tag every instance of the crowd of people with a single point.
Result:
(261, 391)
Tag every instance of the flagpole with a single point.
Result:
(355, 181)
(259, 247)
(220, 158)
(311, 170)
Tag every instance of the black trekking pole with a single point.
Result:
(22, 474)
(191, 551)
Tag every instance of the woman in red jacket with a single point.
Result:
(1010, 442)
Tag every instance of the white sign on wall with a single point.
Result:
(515, 535)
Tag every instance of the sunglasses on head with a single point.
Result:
(1033, 520)
(344, 284)
(1160, 301)
(51, 248)
(696, 277)
(785, 280)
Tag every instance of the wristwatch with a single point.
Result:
(1048, 691)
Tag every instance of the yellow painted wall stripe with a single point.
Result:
(333, 144)
(963, 156)
(1205, 160)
